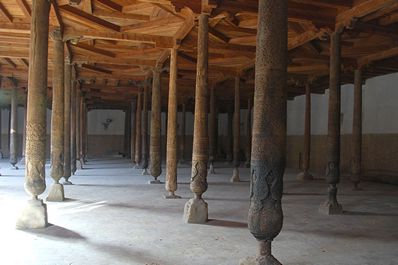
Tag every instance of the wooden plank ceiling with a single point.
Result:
(114, 44)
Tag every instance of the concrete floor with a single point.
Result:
(112, 216)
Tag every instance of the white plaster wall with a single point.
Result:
(380, 109)
(96, 118)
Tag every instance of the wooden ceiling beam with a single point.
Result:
(78, 58)
(111, 5)
(114, 14)
(10, 62)
(377, 56)
(4, 12)
(95, 50)
(96, 69)
(24, 6)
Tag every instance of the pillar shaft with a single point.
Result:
(73, 127)
(183, 129)
(138, 130)
(1, 134)
(67, 120)
(145, 146)
(14, 127)
(37, 99)
(212, 127)
(230, 140)
(133, 129)
(236, 127)
(268, 158)
(249, 130)
(57, 115)
(82, 129)
(78, 110)
(357, 130)
(155, 143)
(127, 132)
(171, 156)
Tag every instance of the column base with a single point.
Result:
(196, 211)
(156, 181)
(330, 208)
(305, 175)
(235, 175)
(145, 172)
(171, 195)
(33, 216)
(56, 193)
(67, 182)
(262, 260)
(211, 169)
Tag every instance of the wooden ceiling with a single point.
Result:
(114, 44)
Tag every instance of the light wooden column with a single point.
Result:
(249, 130)
(67, 121)
(268, 157)
(155, 167)
(75, 84)
(183, 129)
(14, 126)
(331, 206)
(171, 155)
(78, 110)
(35, 214)
(127, 132)
(236, 133)
(133, 129)
(196, 210)
(305, 175)
(57, 118)
(145, 145)
(212, 131)
(138, 127)
(356, 161)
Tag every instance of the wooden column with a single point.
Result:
(67, 121)
(230, 140)
(196, 210)
(35, 214)
(156, 123)
(127, 132)
(171, 155)
(183, 129)
(236, 133)
(1, 134)
(81, 135)
(356, 162)
(212, 131)
(305, 175)
(145, 146)
(331, 206)
(73, 125)
(57, 118)
(14, 126)
(249, 131)
(268, 158)
(138, 127)
(78, 110)
(133, 129)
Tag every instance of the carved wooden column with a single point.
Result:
(73, 124)
(212, 131)
(145, 146)
(331, 206)
(268, 158)
(14, 127)
(138, 128)
(305, 175)
(196, 210)
(236, 133)
(156, 123)
(171, 150)
(356, 162)
(249, 131)
(67, 121)
(133, 129)
(57, 118)
(78, 110)
(35, 214)
(230, 140)
(81, 135)
(183, 129)
(127, 132)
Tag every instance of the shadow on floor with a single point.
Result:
(226, 223)
(356, 213)
(302, 194)
(54, 231)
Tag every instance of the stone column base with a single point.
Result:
(305, 175)
(195, 211)
(329, 208)
(33, 216)
(56, 193)
(145, 172)
(263, 260)
(235, 175)
(156, 181)
(67, 182)
(172, 196)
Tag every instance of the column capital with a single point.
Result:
(56, 34)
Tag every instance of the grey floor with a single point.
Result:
(112, 216)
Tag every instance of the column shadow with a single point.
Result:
(226, 223)
(56, 232)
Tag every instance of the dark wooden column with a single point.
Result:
(82, 131)
(1, 134)
(212, 131)
(236, 132)
(305, 175)
(356, 162)
(14, 126)
(67, 121)
(145, 145)
(183, 129)
(75, 84)
(249, 130)
(171, 155)
(230, 140)
(127, 132)
(133, 129)
(78, 110)
(268, 158)
(138, 138)
(196, 210)
(57, 118)
(156, 123)
(35, 214)
(331, 206)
